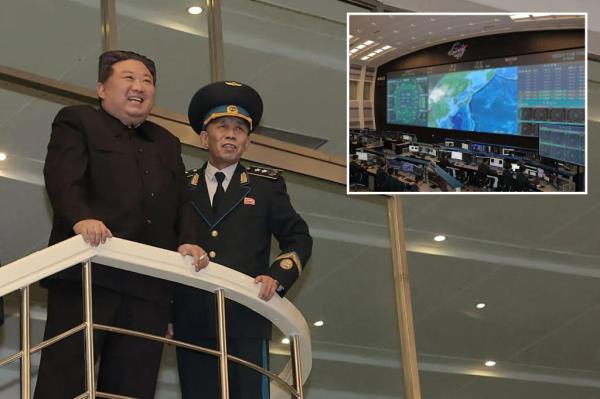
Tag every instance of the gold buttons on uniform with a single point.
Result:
(214, 233)
(212, 254)
(286, 264)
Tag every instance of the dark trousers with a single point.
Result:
(128, 365)
(199, 372)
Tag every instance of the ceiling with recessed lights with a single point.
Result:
(377, 39)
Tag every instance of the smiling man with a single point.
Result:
(240, 209)
(110, 172)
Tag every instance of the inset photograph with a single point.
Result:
(467, 103)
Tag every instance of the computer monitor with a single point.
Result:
(477, 147)
(531, 170)
(413, 148)
(507, 151)
(465, 146)
(456, 155)
(408, 167)
(467, 158)
(362, 156)
(449, 143)
(497, 162)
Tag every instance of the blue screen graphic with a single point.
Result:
(518, 99)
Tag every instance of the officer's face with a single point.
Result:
(226, 139)
(128, 94)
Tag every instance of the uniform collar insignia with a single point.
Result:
(195, 179)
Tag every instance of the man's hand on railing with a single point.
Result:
(268, 287)
(200, 258)
(170, 333)
(93, 231)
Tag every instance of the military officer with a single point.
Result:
(240, 209)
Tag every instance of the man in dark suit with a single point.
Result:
(240, 209)
(109, 172)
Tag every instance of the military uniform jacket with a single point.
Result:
(256, 207)
(133, 180)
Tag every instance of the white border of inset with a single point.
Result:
(586, 60)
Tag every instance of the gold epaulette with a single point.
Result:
(264, 172)
(193, 176)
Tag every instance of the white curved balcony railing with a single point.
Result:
(170, 266)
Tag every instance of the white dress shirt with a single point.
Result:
(211, 181)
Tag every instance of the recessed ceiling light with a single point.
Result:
(195, 10)
(471, 23)
(365, 58)
(361, 46)
(371, 54)
(430, 33)
(373, 23)
(378, 50)
(350, 36)
(2, 156)
(413, 25)
(354, 50)
(413, 38)
(490, 363)
(369, 42)
(318, 323)
(439, 238)
(480, 305)
(449, 28)
(396, 31)
(285, 341)
(386, 47)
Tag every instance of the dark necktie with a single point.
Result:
(219, 194)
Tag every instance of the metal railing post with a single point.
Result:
(222, 334)
(297, 365)
(89, 328)
(25, 345)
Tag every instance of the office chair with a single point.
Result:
(358, 176)
(507, 182)
(462, 176)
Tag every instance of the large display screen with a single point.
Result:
(513, 95)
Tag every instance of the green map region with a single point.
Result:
(407, 100)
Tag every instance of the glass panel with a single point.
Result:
(59, 39)
(367, 91)
(294, 55)
(353, 90)
(176, 40)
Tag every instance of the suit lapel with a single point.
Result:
(200, 199)
(236, 191)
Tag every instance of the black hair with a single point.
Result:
(108, 58)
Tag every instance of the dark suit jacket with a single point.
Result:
(133, 180)
(256, 206)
